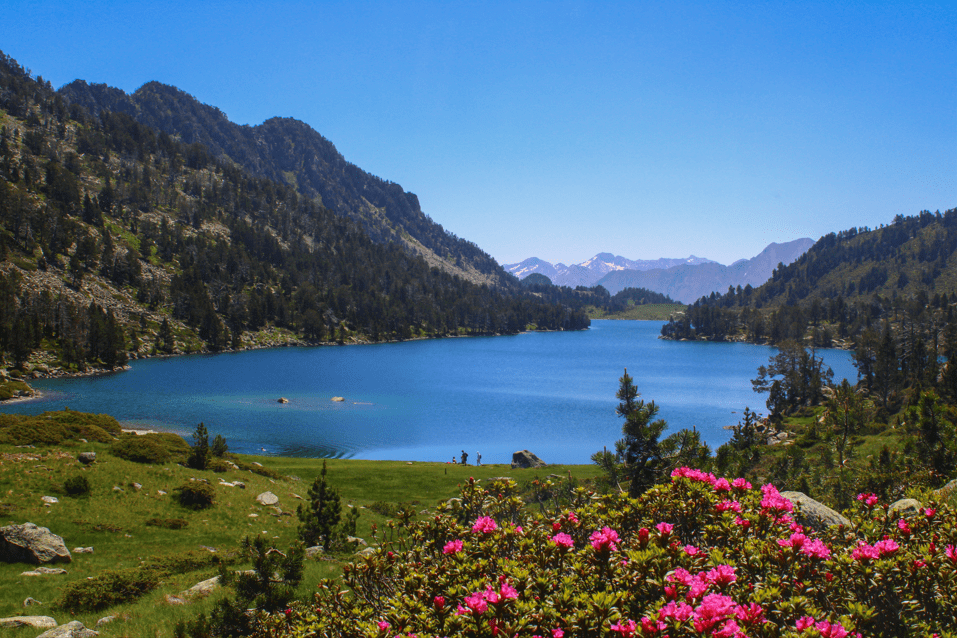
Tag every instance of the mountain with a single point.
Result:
(688, 282)
(290, 152)
(589, 272)
(118, 240)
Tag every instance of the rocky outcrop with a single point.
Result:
(267, 498)
(73, 629)
(814, 514)
(28, 543)
(201, 590)
(525, 459)
(905, 507)
(36, 622)
(86, 458)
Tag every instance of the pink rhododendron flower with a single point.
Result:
(722, 575)
(485, 525)
(774, 501)
(887, 546)
(713, 609)
(563, 540)
(558, 633)
(625, 629)
(650, 627)
(743, 522)
(741, 484)
(816, 549)
(750, 615)
(664, 528)
(722, 485)
(796, 541)
(903, 526)
(643, 534)
(605, 539)
(571, 517)
(951, 552)
(729, 629)
(863, 551)
(383, 625)
(681, 612)
(452, 547)
(803, 623)
(725, 506)
(929, 512)
(691, 550)
(868, 499)
(439, 602)
(476, 602)
(828, 630)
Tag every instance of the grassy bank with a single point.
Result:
(130, 527)
(643, 312)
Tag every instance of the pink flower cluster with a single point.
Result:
(604, 540)
(485, 525)
(478, 602)
(774, 501)
(863, 551)
(563, 540)
(717, 615)
(452, 547)
(826, 629)
(868, 499)
(698, 584)
(719, 484)
(814, 548)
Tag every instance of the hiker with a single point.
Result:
(465, 457)
(478, 458)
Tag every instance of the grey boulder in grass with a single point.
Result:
(28, 543)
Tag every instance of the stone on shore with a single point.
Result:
(36, 622)
(73, 629)
(524, 459)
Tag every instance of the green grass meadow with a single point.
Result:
(114, 521)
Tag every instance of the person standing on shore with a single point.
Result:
(465, 457)
(478, 458)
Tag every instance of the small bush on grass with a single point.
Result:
(168, 523)
(77, 486)
(110, 588)
(195, 495)
(121, 586)
(141, 449)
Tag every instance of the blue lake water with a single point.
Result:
(552, 393)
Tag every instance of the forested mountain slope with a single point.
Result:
(116, 238)
(889, 293)
(290, 152)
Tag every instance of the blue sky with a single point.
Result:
(562, 129)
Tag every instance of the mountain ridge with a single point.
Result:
(684, 279)
(291, 152)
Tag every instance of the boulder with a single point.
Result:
(814, 514)
(366, 551)
(201, 590)
(86, 457)
(50, 500)
(35, 622)
(524, 459)
(338, 399)
(105, 620)
(906, 507)
(82, 550)
(73, 629)
(28, 543)
(314, 551)
(282, 400)
(267, 498)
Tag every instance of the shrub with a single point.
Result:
(699, 556)
(107, 589)
(167, 523)
(195, 495)
(77, 485)
(141, 449)
(219, 447)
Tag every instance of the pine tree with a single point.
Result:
(199, 454)
(642, 451)
(319, 519)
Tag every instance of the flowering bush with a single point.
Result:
(701, 556)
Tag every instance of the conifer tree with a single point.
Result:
(318, 520)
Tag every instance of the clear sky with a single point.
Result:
(564, 129)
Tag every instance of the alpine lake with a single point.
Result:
(549, 392)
